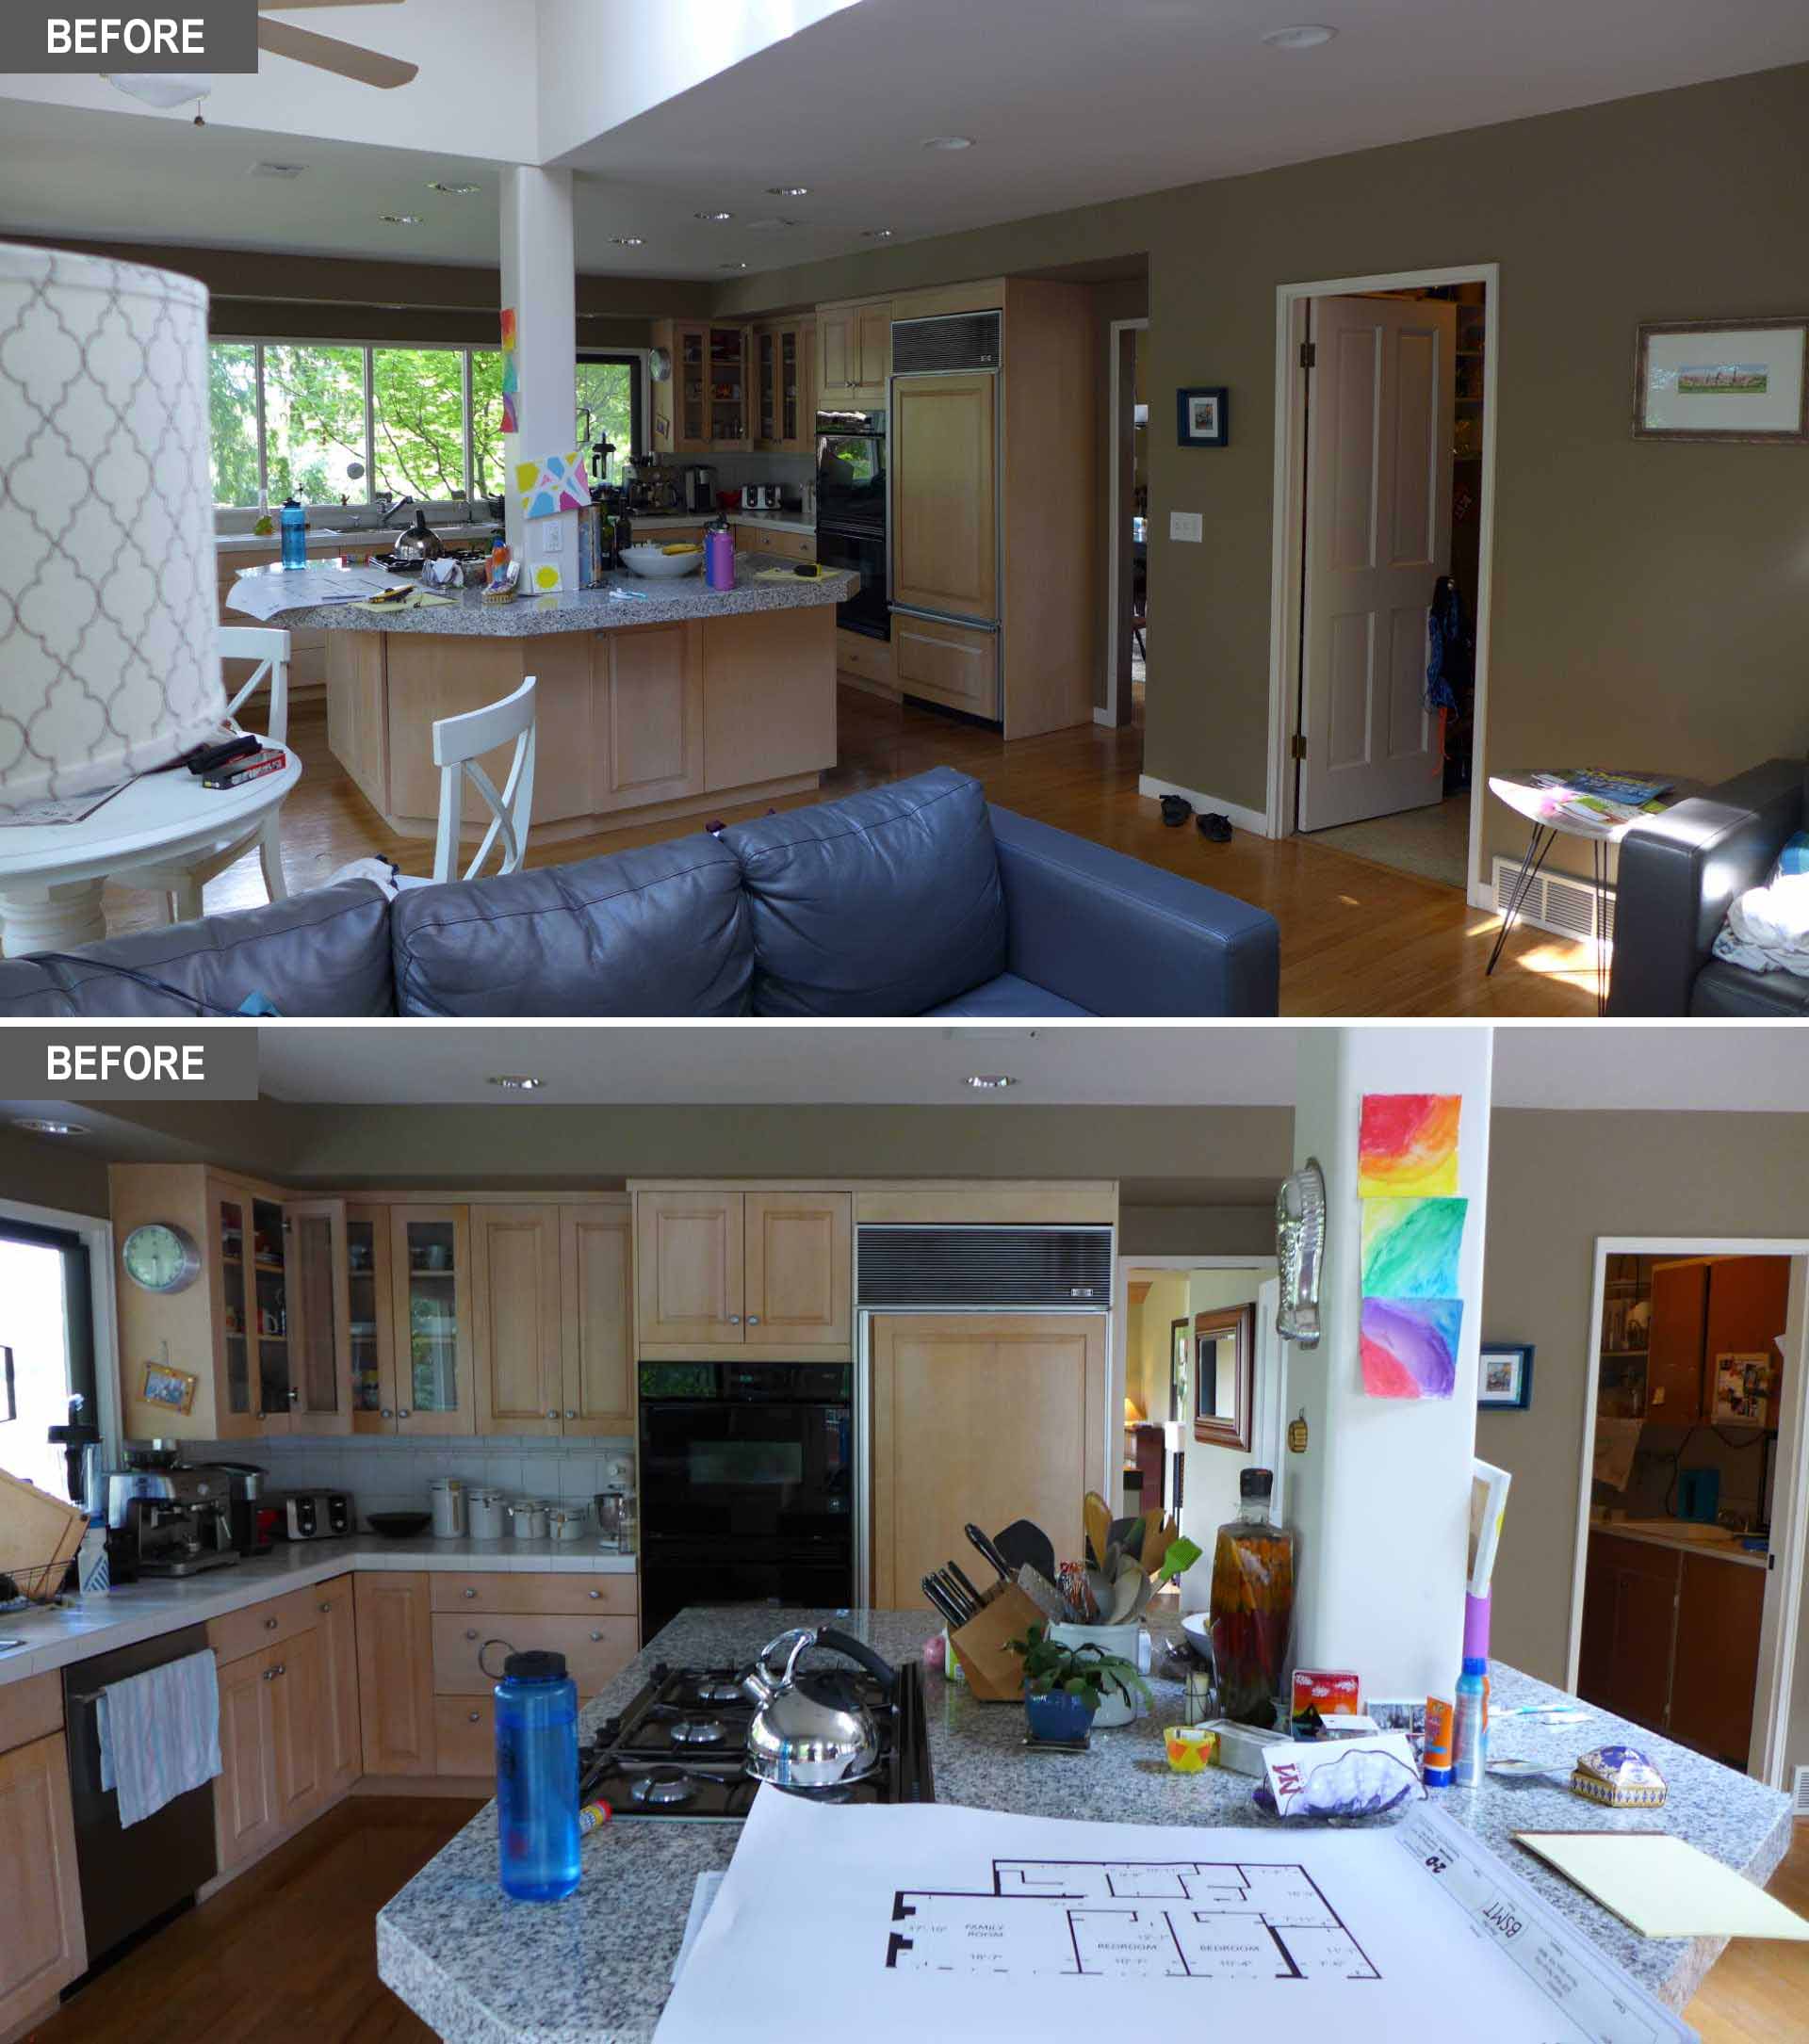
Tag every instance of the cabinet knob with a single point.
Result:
(282, 1667)
(753, 1320)
(473, 1718)
(597, 1636)
(326, 1607)
(734, 1320)
(553, 1415)
(595, 1595)
(295, 1396)
(387, 1414)
(471, 1633)
(401, 1412)
(270, 1624)
(570, 1413)
(270, 1675)
(469, 1593)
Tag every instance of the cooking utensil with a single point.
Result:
(1044, 1595)
(938, 1596)
(1022, 1542)
(965, 1605)
(1096, 1517)
(1128, 1535)
(810, 1730)
(967, 1588)
(987, 1551)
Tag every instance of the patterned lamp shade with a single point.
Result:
(109, 659)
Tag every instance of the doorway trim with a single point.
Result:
(1108, 714)
(1291, 301)
(97, 1236)
(1790, 1511)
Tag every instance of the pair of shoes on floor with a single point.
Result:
(1215, 827)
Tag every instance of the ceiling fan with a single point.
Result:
(326, 53)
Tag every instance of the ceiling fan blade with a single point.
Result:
(282, 39)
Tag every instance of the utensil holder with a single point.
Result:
(996, 1675)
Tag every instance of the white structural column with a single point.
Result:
(540, 284)
(1379, 1500)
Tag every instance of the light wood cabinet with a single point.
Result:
(853, 355)
(515, 1304)
(949, 1440)
(396, 1671)
(950, 664)
(797, 1269)
(297, 1728)
(41, 1945)
(371, 1322)
(596, 1319)
(320, 1316)
(646, 716)
(342, 1740)
(756, 538)
(719, 1272)
(596, 1649)
(288, 1731)
(945, 478)
(706, 407)
(429, 1255)
(688, 1268)
(783, 364)
(760, 723)
(245, 1790)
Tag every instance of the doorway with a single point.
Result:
(1128, 556)
(47, 1348)
(1688, 1584)
(1384, 486)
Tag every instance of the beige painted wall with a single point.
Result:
(40, 1172)
(1643, 593)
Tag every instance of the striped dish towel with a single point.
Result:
(160, 1734)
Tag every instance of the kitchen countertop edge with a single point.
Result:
(1680, 1543)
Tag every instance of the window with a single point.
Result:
(46, 1349)
(292, 419)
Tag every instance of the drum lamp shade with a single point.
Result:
(110, 661)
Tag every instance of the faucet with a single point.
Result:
(391, 505)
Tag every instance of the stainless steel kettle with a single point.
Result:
(811, 1730)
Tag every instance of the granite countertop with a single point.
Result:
(597, 1968)
(619, 601)
(71, 1630)
(1718, 1545)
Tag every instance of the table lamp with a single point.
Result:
(109, 618)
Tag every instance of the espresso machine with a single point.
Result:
(164, 1518)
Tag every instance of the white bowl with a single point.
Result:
(651, 561)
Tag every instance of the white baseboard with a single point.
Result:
(1252, 821)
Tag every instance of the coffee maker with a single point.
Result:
(250, 1519)
(170, 1520)
(698, 481)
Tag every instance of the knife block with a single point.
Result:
(994, 1674)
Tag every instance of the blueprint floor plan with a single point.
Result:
(1131, 1919)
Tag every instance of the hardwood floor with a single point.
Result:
(288, 1950)
(1357, 938)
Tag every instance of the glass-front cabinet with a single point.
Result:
(429, 1250)
(709, 406)
(370, 1329)
(239, 1410)
(783, 364)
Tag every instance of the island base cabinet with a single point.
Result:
(41, 1945)
(396, 1672)
(646, 716)
(769, 697)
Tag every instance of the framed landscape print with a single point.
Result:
(1504, 1376)
(1204, 416)
(1740, 380)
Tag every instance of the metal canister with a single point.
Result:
(487, 1514)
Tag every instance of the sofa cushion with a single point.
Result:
(659, 930)
(322, 953)
(1009, 995)
(883, 903)
(1724, 990)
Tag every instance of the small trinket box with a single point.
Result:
(1618, 1777)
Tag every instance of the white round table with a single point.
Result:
(50, 874)
(1545, 807)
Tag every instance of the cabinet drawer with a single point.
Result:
(948, 664)
(871, 658)
(278, 1618)
(787, 545)
(580, 1597)
(594, 1649)
(467, 1726)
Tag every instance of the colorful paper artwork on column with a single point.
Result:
(510, 374)
(1413, 1311)
(559, 483)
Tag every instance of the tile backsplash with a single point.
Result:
(393, 1475)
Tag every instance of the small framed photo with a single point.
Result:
(174, 1389)
(1738, 380)
(1204, 416)
(1505, 1379)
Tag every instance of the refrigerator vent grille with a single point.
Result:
(1068, 1267)
(967, 341)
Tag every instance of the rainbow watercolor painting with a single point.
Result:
(1410, 1247)
(1408, 1146)
(1409, 1347)
(510, 374)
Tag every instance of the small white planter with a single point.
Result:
(1115, 1707)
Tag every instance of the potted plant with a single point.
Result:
(1063, 1685)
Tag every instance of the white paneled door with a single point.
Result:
(1377, 538)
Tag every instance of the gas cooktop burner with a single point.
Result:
(665, 1788)
(712, 1690)
(699, 1732)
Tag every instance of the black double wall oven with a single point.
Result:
(852, 514)
(747, 1485)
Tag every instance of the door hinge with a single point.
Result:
(1309, 354)
(1299, 749)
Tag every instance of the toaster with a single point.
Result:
(316, 1515)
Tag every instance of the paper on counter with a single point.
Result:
(926, 1920)
(267, 594)
(1663, 1886)
(703, 1899)
(1616, 1443)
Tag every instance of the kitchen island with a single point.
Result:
(654, 698)
(597, 1968)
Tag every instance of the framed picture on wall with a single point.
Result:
(1205, 415)
(1730, 380)
(1181, 1355)
(1504, 1376)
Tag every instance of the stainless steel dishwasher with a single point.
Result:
(130, 1875)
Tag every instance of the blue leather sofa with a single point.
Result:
(915, 898)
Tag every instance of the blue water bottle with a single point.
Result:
(295, 535)
(537, 1777)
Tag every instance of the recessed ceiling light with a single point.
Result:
(876, 234)
(990, 1081)
(715, 218)
(788, 191)
(35, 1125)
(278, 169)
(949, 141)
(516, 1083)
(1307, 36)
(731, 266)
(629, 241)
(400, 220)
(456, 191)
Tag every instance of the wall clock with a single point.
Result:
(161, 1258)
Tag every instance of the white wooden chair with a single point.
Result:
(459, 743)
(181, 886)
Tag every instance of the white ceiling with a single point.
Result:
(1069, 101)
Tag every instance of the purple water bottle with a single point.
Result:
(719, 555)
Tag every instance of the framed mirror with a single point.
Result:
(1181, 1356)
(1224, 1377)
